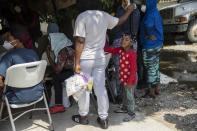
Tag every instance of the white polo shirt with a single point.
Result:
(93, 25)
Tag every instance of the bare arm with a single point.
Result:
(50, 59)
(126, 15)
(79, 45)
(1, 81)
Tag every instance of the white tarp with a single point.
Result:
(164, 79)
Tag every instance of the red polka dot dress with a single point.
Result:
(127, 65)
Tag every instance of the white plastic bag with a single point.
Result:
(77, 85)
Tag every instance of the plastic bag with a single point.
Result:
(77, 85)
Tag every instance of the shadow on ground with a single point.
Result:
(182, 95)
(183, 123)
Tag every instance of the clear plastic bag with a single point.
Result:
(78, 84)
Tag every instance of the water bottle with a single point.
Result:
(90, 84)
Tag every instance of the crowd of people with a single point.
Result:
(135, 38)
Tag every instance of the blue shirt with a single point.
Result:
(151, 24)
(24, 95)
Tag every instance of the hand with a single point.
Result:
(128, 86)
(1, 83)
(152, 37)
(131, 7)
(77, 69)
(146, 37)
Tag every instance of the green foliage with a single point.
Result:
(67, 13)
(107, 5)
(72, 12)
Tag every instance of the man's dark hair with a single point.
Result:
(3, 30)
(84, 5)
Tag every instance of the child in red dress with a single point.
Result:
(127, 73)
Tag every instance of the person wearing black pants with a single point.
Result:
(57, 82)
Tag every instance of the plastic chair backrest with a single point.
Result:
(25, 75)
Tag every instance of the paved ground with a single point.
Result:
(62, 122)
(175, 109)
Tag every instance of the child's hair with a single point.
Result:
(132, 37)
(127, 34)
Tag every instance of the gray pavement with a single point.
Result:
(63, 122)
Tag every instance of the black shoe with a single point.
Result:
(103, 123)
(78, 119)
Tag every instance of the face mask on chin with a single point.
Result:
(7, 45)
(143, 8)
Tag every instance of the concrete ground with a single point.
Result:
(63, 122)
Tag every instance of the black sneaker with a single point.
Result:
(103, 123)
(78, 119)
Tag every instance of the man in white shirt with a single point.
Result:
(90, 36)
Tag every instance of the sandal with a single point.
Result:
(103, 123)
(80, 120)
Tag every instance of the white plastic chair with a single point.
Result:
(25, 76)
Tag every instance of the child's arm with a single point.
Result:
(111, 50)
(133, 69)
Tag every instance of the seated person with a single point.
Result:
(15, 56)
(62, 66)
(22, 32)
(42, 43)
(4, 45)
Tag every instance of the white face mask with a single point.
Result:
(7, 45)
(143, 8)
(17, 9)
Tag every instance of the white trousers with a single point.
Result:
(96, 69)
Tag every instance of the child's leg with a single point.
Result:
(131, 104)
(124, 99)
(130, 99)
(123, 108)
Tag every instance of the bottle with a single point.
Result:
(90, 84)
